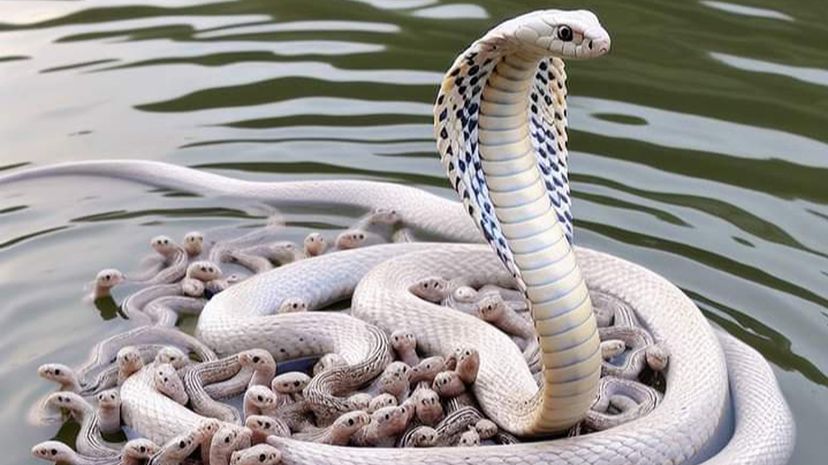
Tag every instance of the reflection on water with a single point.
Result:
(698, 149)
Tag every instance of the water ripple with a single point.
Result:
(745, 10)
(810, 75)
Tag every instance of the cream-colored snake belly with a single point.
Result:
(500, 124)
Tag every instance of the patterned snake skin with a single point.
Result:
(510, 171)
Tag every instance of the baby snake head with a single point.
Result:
(203, 271)
(208, 428)
(260, 396)
(427, 369)
(177, 449)
(465, 294)
(53, 451)
(402, 340)
(293, 304)
(129, 358)
(193, 243)
(485, 428)
(68, 401)
(224, 439)
(172, 355)
(265, 425)
(315, 244)
(257, 358)
(382, 215)
(470, 438)
(382, 401)
(397, 370)
(448, 384)
(352, 421)
(428, 398)
(392, 420)
(564, 34)
(360, 401)
(491, 307)
(56, 372)
(468, 364)
(290, 383)
(424, 436)
(657, 356)
(350, 239)
(261, 454)
(109, 399)
(433, 288)
(140, 449)
(163, 245)
(109, 277)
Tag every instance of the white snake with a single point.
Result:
(500, 122)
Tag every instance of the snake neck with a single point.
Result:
(500, 120)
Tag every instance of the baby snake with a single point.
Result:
(500, 122)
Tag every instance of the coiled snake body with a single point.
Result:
(500, 124)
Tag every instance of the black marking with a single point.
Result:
(443, 114)
(474, 69)
(443, 133)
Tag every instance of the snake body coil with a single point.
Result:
(500, 123)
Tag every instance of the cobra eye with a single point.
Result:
(227, 440)
(57, 372)
(260, 399)
(143, 449)
(262, 457)
(296, 383)
(54, 451)
(182, 444)
(565, 33)
(350, 421)
(256, 359)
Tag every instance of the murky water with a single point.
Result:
(699, 149)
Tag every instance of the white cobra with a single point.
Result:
(500, 121)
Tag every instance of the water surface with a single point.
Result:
(698, 149)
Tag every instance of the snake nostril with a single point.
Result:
(590, 45)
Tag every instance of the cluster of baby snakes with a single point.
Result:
(543, 352)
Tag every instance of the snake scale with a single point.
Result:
(500, 125)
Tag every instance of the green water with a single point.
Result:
(699, 149)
